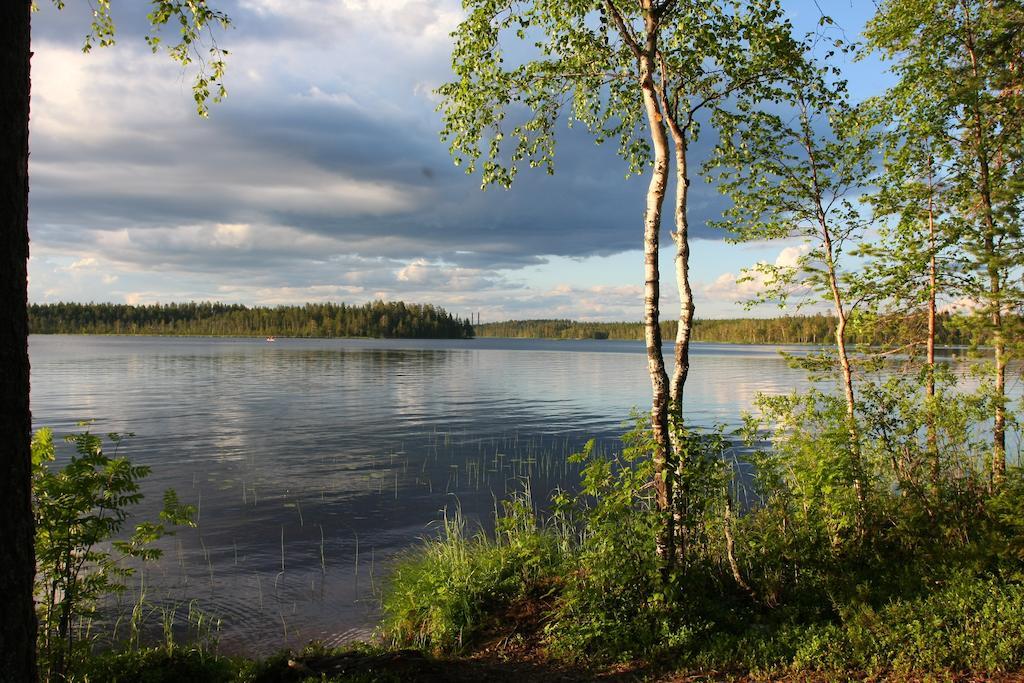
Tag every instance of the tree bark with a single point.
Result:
(933, 288)
(685, 327)
(730, 546)
(17, 568)
(646, 53)
(660, 393)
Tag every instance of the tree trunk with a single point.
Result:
(841, 316)
(999, 425)
(851, 402)
(995, 302)
(685, 327)
(730, 546)
(933, 446)
(17, 568)
(992, 267)
(652, 294)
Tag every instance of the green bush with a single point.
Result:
(924, 577)
(80, 510)
(970, 625)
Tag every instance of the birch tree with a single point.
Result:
(913, 262)
(634, 72)
(719, 52)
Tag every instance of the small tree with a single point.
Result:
(967, 58)
(80, 510)
(913, 262)
(794, 174)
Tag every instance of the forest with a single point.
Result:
(374, 319)
(798, 329)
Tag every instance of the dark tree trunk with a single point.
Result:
(17, 558)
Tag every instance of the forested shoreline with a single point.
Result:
(951, 330)
(402, 320)
(375, 319)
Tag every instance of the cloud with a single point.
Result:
(87, 262)
(791, 257)
(321, 175)
(440, 277)
(732, 288)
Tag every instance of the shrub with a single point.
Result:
(80, 509)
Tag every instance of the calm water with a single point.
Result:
(313, 462)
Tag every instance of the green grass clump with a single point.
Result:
(440, 593)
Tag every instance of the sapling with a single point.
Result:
(82, 556)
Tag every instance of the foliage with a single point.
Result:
(195, 44)
(158, 665)
(794, 329)
(466, 576)
(80, 511)
(958, 108)
(966, 625)
(606, 600)
(781, 572)
(791, 167)
(375, 319)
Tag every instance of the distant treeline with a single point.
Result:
(800, 329)
(376, 319)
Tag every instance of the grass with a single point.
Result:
(443, 598)
(468, 576)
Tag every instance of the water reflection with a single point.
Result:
(313, 462)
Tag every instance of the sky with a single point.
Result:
(322, 176)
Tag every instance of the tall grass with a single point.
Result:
(440, 594)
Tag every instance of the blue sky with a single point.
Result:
(322, 176)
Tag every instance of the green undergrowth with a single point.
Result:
(783, 570)
(468, 575)
(441, 597)
(157, 665)
(177, 664)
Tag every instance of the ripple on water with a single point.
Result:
(338, 454)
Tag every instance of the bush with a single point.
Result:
(158, 665)
(80, 509)
(971, 625)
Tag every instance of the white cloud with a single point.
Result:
(406, 24)
(732, 288)
(790, 256)
(438, 276)
(87, 262)
(86, 99)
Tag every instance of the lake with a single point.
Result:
(313, 462)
